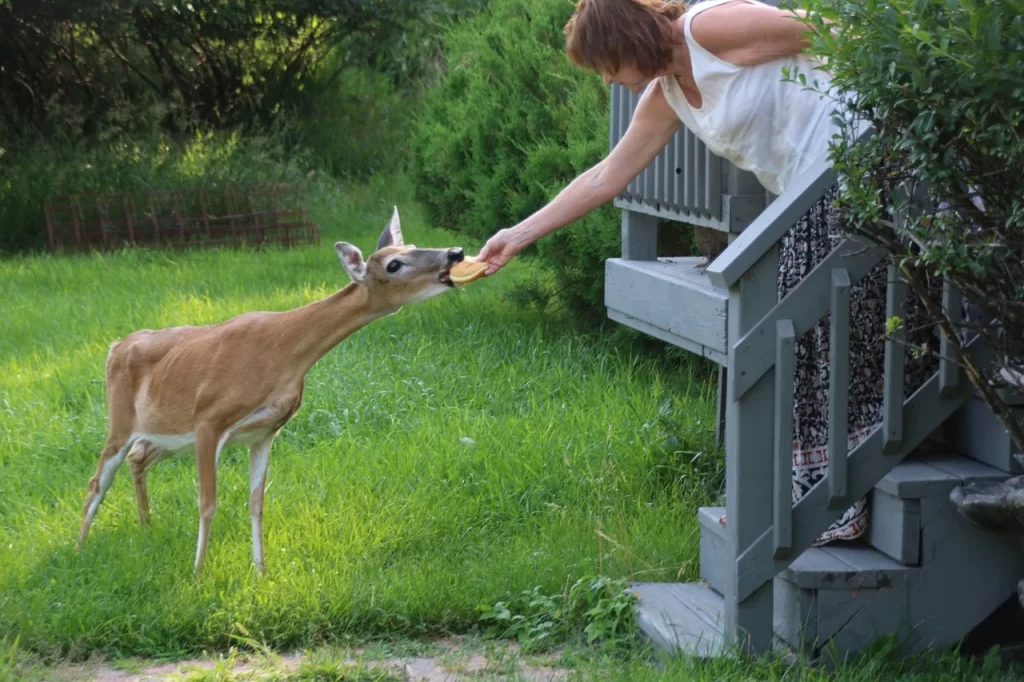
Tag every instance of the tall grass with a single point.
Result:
(460, 451)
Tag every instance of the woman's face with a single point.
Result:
(628, 77)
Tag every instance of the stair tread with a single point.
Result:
(925, 475)
(681, 616)
(852, 565)
(838, 565)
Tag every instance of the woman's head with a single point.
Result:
(630, 40)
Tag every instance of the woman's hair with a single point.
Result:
(605, 34)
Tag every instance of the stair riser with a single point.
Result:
(713, 562)
(976, 433)
(965, 575)
(894, 527)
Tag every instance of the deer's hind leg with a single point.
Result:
(143, 456)
(120, 439)
(209, 442)
(259, 460)
(111, 459)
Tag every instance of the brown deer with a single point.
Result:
(199, 389)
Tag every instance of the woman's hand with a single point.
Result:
(500, 249)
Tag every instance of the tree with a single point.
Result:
(229, 61)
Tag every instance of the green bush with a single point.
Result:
(231, 62)
(354, 124)
(30, 171)
(510, 123)
(942, 83)
(596, 610)
(351, 126)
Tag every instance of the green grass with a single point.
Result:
(458, 454)
(444, 458)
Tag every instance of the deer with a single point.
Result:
(199, 389)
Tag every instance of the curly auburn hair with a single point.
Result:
(604, 34)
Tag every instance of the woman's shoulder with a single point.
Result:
(711, 24)
(744, 32)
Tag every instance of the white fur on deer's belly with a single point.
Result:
(185, 443)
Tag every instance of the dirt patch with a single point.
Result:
(450, 661)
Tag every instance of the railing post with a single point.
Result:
(838, 388)
(639, 236)
(782, 484)
(895, 360)
(749, 461)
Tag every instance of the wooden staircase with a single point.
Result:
(906, 577)
(922, 572)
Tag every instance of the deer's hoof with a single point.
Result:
(997, 506)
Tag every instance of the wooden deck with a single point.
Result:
(671, 299)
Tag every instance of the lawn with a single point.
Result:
(460, 451)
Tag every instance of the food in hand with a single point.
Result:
(467, 270)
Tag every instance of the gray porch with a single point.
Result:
(915, 574)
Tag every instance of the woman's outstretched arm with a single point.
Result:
(650, 129)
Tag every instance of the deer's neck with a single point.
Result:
(314, 329)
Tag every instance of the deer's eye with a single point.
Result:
(394, 266)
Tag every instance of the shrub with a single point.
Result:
(942, 83)
(32, 170)
(594, 609)
(510, 123)
(353, 123)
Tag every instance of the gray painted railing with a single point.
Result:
(766, 530)
(686, 182)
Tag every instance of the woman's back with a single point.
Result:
(750, 116)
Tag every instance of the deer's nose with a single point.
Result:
(455, 256)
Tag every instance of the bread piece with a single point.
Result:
(467, 270)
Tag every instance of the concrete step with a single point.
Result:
(670, 299)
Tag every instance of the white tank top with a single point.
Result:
(752, 118)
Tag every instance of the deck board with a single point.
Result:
(673, 296)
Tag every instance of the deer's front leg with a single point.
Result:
(259, 461)
(207, 451)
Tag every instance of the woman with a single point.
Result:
(717, 67)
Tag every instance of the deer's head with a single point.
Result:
(396, 274)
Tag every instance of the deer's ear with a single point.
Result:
(352, 258)
(392, 234)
